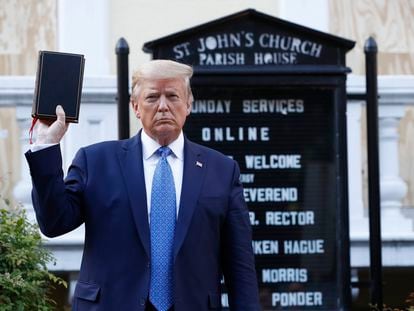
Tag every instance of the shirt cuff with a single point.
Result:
(38, 147)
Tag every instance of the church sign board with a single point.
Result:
(271, 95)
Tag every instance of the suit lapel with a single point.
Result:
(130, 158)
(194, 172)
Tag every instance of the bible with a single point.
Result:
(59, 80)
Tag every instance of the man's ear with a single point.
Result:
(134, 105)
(189, 105)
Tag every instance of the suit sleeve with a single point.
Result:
(58, 204)
(238, 259)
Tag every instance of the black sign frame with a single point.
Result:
(226, 53)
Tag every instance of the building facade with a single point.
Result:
(93, 28)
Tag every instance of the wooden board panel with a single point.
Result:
(9, 151)
(389, 22)
(406, 148)
(25, 28)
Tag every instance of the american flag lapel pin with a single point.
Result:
(199, 164)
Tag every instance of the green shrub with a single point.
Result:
(24, 279)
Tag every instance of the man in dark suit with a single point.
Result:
(164, 218)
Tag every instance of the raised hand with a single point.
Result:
(52, 132)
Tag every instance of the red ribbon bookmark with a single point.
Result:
(31, 130)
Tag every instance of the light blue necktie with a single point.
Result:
(162, 227)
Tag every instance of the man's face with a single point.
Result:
(162, 106)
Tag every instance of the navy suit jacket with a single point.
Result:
(105, 189)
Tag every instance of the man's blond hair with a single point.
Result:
(161, 69)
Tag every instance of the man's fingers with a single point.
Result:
(49, 132)
(60, 113)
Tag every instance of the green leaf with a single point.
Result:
(24, 279)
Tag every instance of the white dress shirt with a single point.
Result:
(150, 160)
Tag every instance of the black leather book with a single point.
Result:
(58, 82)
